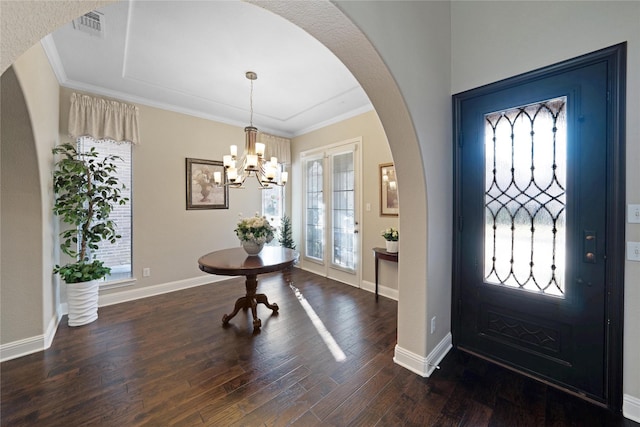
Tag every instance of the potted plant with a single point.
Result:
(286, 233)
(254, 232)
(391, 237)
(86, 189)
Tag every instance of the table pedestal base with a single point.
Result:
(251, 300)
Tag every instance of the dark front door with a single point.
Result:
(535, 195)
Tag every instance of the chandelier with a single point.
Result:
(253, 161)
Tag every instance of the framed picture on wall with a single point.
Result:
(388, 190)
(202, 192)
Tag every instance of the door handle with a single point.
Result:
(589, 244)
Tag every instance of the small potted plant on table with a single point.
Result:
(391, 238)
(253, 233)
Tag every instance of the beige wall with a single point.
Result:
(30, 130)
(417, 54)
(167, 238)
(20, 214)
(482, 54)
(375, 150)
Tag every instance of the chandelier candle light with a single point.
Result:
(253, 160)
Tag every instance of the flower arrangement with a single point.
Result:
(255, 229)
(390, 234)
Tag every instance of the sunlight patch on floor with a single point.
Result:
(326, 336)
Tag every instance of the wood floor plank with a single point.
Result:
(250, 403)
(297, 409)
(334, 399)
(168, 361)
(359, 401)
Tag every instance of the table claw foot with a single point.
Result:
(225, 319)
(262, 299)
(257, 323)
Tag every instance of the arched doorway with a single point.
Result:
(329, 25)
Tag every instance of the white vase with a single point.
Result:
(252, 248)
(82, 302)
(392, 247)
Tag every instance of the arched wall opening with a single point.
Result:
(331, 26)
(21, 218)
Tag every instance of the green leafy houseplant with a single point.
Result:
(390, 234)
(86, 190)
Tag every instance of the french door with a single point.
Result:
(332, 211)
(538, 252)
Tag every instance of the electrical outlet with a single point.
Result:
(633, 251)
(146, 272)
(633, 214)
(433, 324)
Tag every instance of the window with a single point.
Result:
(117, 256)
(273, 205)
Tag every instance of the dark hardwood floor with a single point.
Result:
(167, 360)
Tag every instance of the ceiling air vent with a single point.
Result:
(91, 23)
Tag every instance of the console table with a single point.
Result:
(381, 253)
(236, 262)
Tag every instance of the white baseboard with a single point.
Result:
(365, 285)
(38, 343)
(52, 328)
(26, 346)
(631, 408)
(382, 290)
(164, 288)
(23, 347)
(423, 366)
(371, 287)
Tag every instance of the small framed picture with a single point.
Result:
(388, 190)
(202, 191)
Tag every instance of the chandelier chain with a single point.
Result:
(251, 105)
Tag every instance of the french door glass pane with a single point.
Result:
(314, 247)
(343, 215)
(525, 199)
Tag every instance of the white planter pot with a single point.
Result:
(392, 247)
(82, 302)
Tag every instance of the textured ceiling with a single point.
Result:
(191, 57)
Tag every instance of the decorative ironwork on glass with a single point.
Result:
(525, 197)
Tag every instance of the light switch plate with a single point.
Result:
(633, 214)
(633, 251)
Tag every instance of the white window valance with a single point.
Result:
(276, 146)
(101, 119)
